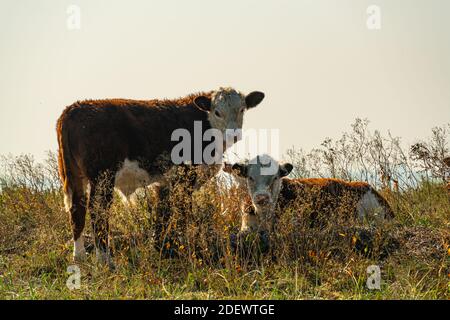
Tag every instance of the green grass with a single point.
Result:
(35, 251)
(35, 248)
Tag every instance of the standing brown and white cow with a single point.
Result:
(125, 144)
(270, 193)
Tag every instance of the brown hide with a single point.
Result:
(97, 135)
(325, 195)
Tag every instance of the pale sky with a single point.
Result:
(317, 62)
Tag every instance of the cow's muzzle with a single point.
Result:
(262, 199)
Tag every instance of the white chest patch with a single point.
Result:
(130, 178)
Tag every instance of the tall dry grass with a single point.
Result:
(197, 257)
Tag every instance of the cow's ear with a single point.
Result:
(253, 99)
(285, 169)
(240, 169)
(203, 103)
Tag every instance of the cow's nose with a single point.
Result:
(262, 199)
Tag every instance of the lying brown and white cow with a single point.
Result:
(126, 144)
(271, 192)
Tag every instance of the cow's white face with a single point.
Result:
(226, 109)
(262, 177)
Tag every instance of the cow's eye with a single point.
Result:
(217, 113)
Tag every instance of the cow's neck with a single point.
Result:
(186, 116)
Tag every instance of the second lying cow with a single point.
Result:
(271, 192)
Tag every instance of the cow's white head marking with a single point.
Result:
(262, 185)
(226, 108)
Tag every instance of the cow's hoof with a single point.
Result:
(80, 257)
(79, 251)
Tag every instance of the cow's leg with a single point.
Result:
(100, 199)
(75, 202)
(162, 213)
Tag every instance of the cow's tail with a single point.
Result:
(64, 161)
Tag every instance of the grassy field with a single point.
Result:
(412, 251)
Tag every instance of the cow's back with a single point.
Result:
(330, 196)
(314, 188)
(100, 134)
